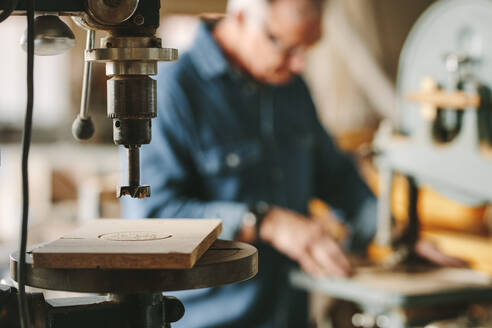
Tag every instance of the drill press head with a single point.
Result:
(130, 60)
(130, 52)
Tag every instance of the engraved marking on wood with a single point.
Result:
(134, 236)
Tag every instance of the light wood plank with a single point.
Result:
(131, 244)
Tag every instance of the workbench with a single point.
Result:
(399, 298)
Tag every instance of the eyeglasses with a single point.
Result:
(286, 51)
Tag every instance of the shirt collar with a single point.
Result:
(207, 55)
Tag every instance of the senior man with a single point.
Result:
(237, 137)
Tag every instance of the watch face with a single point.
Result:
(249, 219)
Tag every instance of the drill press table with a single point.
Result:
(134, 295)
(224, 262)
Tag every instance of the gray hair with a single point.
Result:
(254, 11)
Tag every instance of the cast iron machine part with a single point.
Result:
(131, 52)
(152, 310)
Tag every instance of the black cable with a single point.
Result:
(8, 11)
(26, 143)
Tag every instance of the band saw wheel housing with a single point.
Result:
(448, 26)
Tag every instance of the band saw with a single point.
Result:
(441, 140)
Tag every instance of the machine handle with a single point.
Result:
(83, 128)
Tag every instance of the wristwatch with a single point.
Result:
(255, 215)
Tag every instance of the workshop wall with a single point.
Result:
(52, 83)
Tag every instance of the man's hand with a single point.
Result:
(305, 241)
(429, 251)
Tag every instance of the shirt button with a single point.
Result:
(277, 174)
(249, 89)
(233, 160)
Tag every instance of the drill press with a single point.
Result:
(131, 52)
(443, 140)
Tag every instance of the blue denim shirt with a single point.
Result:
(221, 142)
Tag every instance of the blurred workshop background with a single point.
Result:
(352, 73)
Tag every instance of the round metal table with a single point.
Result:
(223, 263)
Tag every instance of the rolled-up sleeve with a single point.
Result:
(168, 167)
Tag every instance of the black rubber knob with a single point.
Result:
(174, 310)
(82, 128)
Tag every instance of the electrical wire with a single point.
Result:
(7, 12)
(26, 143)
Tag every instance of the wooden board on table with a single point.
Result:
(397, 287)
(131, 244)
(421, 280)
